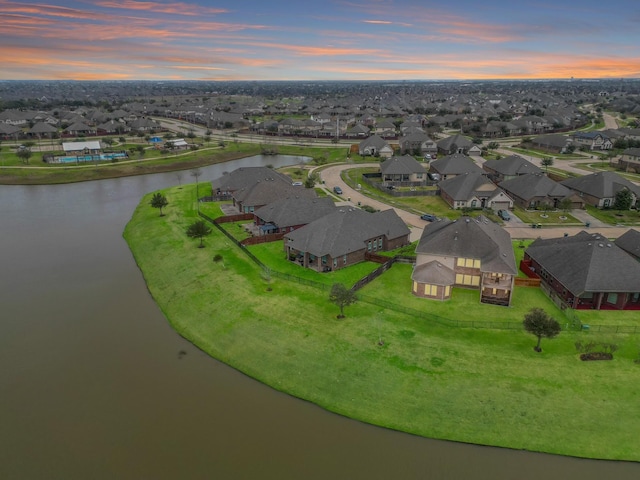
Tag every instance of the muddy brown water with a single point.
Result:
(95, 384)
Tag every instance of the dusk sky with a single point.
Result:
(319, 40)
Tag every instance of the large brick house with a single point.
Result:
(469, 252)
(599, 189)
(585, 271)
(344, 237)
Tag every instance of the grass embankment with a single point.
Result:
(478, 386)
(38, 173)
(14, 172)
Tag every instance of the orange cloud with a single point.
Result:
(177, 8)
(311, 51)
(51, 11)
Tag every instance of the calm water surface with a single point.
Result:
(92, 385)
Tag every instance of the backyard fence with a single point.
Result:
(527, 282)
(570, 322)
(269, 237)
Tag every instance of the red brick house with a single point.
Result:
(585, 271)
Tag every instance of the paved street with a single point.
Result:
(517, 229)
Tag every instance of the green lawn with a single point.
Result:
(615, 217)
(472, 385)
(552, 218)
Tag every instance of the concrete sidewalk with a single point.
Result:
(517, 230)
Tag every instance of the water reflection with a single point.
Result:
(94, 386)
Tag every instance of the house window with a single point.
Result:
(470, 280)
(324, 260)
(431, 290)
(335, 262)
(474, 203)
(607, 202)
(447, 290)
(369, 246)
(612, 298)
(415, 287)
(380, 243)
(344, 259)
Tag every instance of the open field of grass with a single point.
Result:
(472, 385)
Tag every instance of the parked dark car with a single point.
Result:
(429, 217)
(337, 190)
(504, 215)
(434, 176)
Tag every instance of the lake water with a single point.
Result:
(93, 384)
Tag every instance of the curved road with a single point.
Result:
(331, 177)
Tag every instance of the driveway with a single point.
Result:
(516, 227)
(350, 196)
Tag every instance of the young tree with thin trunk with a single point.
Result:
(159, 201)
(541, 324)
(198, 229)
(196, 173)
(342, 297)
(546, 163)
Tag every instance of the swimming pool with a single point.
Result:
(90, 158)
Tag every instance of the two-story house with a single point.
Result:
(469, 252)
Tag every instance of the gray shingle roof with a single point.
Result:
(246, 176)
(587, 262)
(463, 187)
(477, 238)
(512, 165)
(295, 210)
(401, 165)
(632, 152)
(267, 191)
(434, 273)
(455, 164)
(630, 242)
(601, 184)
(455, 141)
(534, 185)
(345, 231)
(375, 141)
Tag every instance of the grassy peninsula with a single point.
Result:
(479, 386)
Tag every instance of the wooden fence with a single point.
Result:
(234, 218)
(527, 282)
(269, 237)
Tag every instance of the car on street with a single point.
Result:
(504, 215)
(337, 190)
(429, 217)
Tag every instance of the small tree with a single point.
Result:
(198, 229)
(311, 180)
(565, 204)
(541, 324)
(159, 201)
(623, 199)
(24, 154)
(342, 297)
(546, 162)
